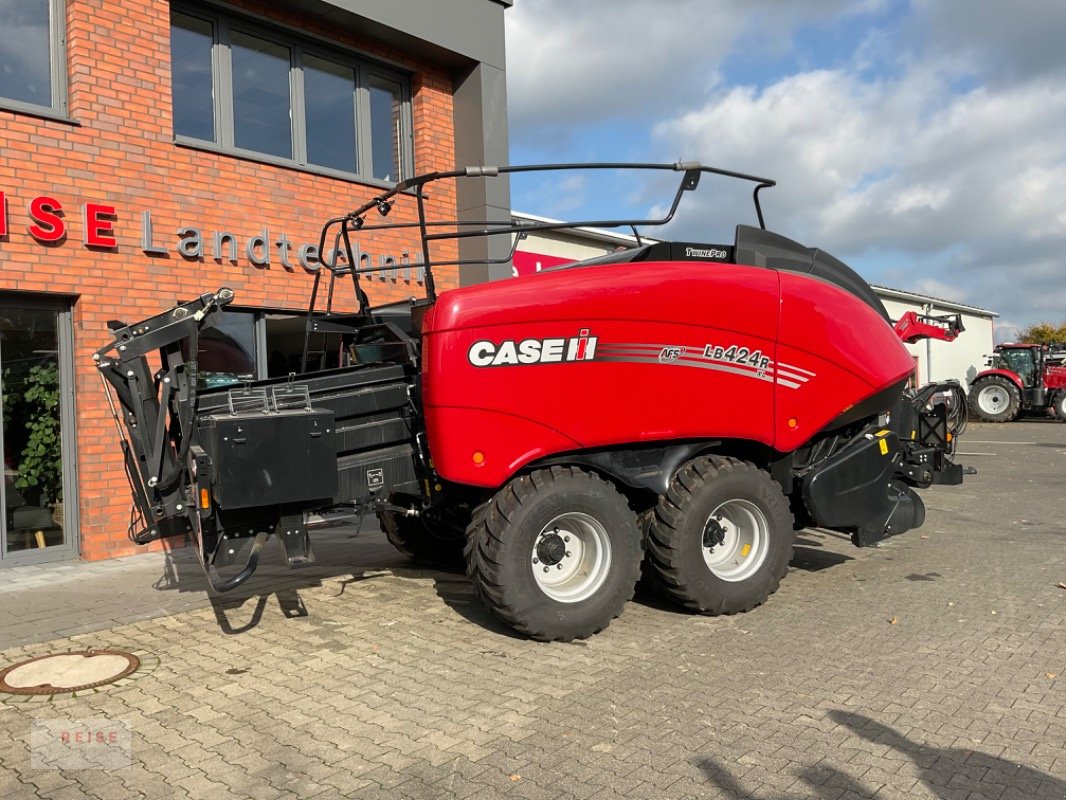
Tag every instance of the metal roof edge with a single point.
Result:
(940, 302)
(900, 294)
(595, 233)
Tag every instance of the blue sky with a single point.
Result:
(923, 142)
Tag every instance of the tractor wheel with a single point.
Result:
(434, 539)
(722, 536)
(1058, 405)
(995, 399)
(555, 554)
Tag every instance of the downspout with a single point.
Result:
(928, 309)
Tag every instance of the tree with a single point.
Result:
(1045, 333)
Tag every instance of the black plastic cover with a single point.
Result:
(687, 251)
(267, 459)
(848, 489)
(761, 248)
(377, 472)
(854, 491)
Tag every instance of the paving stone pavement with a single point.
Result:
(932, 666)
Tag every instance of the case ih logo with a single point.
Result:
(533, 351)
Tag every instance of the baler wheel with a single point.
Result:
(995, 399)
(555, 554)
(722, 536)
(434, 539)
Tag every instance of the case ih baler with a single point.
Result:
(685, 406)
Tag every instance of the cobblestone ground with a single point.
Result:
(932, 666)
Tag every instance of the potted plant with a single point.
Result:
(41, 463)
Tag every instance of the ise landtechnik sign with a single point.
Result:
(48, 224)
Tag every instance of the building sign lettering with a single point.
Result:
(48, 224)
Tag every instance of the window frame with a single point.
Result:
(57, 43)
(259, 316)
(224, 24)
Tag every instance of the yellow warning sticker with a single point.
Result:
(883, 432)
(745, 550)
(884, 447)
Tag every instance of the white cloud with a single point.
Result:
(935, 143)
(905, 167)
(573, 63)
(935, 288)
(1003, 42)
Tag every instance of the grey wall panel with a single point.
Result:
(470, 28)
(481, 139)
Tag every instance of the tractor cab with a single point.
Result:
(1024, 360)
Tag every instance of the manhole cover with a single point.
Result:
(68, 672)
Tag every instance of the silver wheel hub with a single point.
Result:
(993, 399)
(571, 557)
(736, 539)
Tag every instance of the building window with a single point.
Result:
(32, 58)
(191, 43)
(262, 97)
(329, 108)
(386, 128)
(37, 434)
(227, 352)
(265, 92)
(249, 344)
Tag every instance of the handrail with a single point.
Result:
(356, 220)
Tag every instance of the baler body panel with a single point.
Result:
(853, 354)
(600, 356)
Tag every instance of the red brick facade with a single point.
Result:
(119, 151)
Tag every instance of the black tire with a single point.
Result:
(559, 513)
(734, 503)
(649, 578)
(1058, 406)
(994, 399)
(434, 539)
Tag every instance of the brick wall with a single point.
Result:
(121, 153)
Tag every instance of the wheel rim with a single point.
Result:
(735, 540)
(993, 399)
(571, 557)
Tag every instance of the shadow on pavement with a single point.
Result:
(946, 772)
(814, 558)
(339, 554)
(292, 606)
(647, 594)
(455, 589)
(941, 767)
(826, 783)
(811, 553)
(342, 554)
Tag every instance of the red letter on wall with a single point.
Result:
(99, 225)
(3, 215)
(45, 212)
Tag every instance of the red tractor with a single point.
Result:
(1023, 378)
(678, 406)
